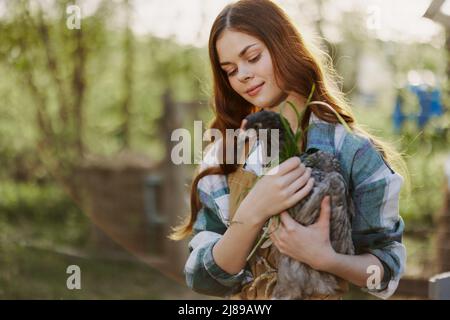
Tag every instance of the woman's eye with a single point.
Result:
(255, 58)
(231, 73)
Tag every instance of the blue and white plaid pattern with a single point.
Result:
(377, 227)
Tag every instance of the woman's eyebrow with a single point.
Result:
(240, 54)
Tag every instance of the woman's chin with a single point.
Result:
(268, 103)
(274, 103)
(269, 107)
(264, 104)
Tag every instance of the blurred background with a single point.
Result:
(90, 92)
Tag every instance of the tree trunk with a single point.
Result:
(127, 79)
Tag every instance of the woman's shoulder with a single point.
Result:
(358, 155)
(338, 135)
(333, 137)
(365, 162)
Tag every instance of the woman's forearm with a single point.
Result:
(231, 251)
(356, 269)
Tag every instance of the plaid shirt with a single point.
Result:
(377, 227)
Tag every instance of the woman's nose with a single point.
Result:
(245, 75)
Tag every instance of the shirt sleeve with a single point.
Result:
(377, 227)
(202, 273)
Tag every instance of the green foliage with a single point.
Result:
(42, 213)
(159, 64)
(424, 153)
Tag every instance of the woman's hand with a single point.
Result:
(311, 244)
(283, 187)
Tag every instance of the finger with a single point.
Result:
(243, 124)
(285, 218)
(288, 165)
(295, 185)
(274, 231)
(325, 212)
(288, 222)
(302, 193)
(272, 227)
(274, 239)
(294, 175)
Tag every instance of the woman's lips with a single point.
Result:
(255, 91)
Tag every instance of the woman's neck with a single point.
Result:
(299, 103)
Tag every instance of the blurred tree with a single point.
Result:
(128, 54)
(66, 73)
(51, 61)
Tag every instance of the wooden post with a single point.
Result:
(174, 204)
(155, 218)
(443, 227)
(447, 47)
(439, 287)
(435, 13)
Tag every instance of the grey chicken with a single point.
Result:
(296, 280)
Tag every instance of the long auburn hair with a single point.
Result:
(296, 67)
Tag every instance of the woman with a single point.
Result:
(259, 60)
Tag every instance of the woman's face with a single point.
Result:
(248, 64)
